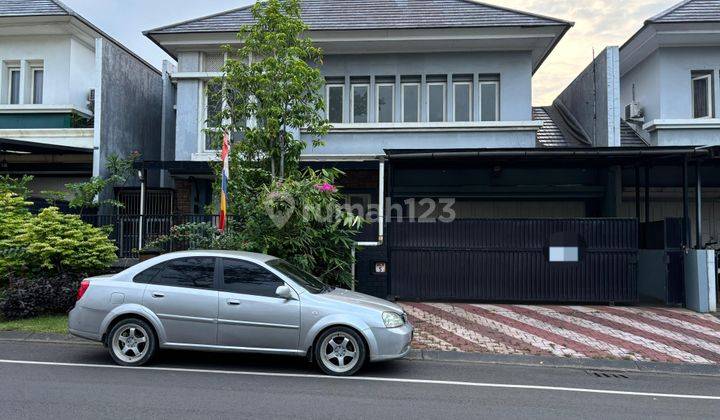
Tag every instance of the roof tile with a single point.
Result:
(32, 8)
(690, 11)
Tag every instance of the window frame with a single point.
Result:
(328, 86)
(352, 102)
(377, 102)
(419, 101)
(220, 277)
(470, 100)
(33, 71)
(10, 71)
(444, 101)
(165, 264)
(695, 76)
(496, 83)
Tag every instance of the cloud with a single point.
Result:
(598, 23)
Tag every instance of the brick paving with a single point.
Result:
(597, 332)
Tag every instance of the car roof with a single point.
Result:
(217, 253)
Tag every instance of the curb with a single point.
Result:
(454, 357)
(569, 363)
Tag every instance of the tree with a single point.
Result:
(271, 87)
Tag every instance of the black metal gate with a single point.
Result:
(508, 260)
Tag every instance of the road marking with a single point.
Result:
(371, 379)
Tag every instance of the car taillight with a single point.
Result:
(83, 288)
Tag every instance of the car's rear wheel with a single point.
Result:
(132, 342)
(340, 351)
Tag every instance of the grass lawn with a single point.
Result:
(44, 324)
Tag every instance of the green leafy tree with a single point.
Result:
(53, 242)
(271, 87)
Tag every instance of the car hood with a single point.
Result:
(355, 298)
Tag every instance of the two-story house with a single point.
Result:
(70, 96)
(431, 107)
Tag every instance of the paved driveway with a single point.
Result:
(643, 334)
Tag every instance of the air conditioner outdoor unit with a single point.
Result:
(91, 100)
(633, 111)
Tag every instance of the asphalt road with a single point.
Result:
(60, 381)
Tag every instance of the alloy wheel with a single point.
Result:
(130, 343)
(340, 352)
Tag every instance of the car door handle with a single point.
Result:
(233, 302)
(158, 295)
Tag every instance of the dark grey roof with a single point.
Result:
(554, 132)
(377, 14)
(629, 137)
(690, 11)
(33, 8)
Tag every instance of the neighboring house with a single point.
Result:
(70, 96)
(432, 100)
(658, 91)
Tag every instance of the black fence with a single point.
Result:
(125, 230)
(508, 260)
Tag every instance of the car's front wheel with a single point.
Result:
(132, 342)
(340, 351)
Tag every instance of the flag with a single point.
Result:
(225, 156)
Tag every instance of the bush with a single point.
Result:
(54, 242)
(26, 298)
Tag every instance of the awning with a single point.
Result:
(11, 146)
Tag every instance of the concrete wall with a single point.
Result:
(168, 125)
(646, 79)
(187, 132)
(676, 66)
(130, 119)
(68, 63)
(593, 100)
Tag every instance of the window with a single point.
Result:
(463, 101)
(213, 63)
(14, 86)
(249, 279)
(411, 102)
(359, 103)
(305, 280)
(335, 95)
(702, 94)
(195, 272)
(37, 85)
(436, 102)
(489, 101)
(385, 103)
(213, 106)
(149, 274)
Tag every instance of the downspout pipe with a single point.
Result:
(381, 218)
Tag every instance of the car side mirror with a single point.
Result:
(284, 292)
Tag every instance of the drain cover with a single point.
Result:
(606, 374)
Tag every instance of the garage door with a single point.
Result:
(515, 260)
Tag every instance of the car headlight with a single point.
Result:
(392, 320)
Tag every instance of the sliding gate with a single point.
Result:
(515, 260)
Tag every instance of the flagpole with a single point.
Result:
(225, 157)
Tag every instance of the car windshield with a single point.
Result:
(311, 283)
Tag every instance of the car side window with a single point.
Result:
(249, 279)
(194, 272)
(148, 274)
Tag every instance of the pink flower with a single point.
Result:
(325, 187)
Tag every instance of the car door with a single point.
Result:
(183, 295)
(251, 315)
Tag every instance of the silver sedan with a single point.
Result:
(236, 301)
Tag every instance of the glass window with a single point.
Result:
(38, 76)
(195, 272)
(411, 102)
(436, 102)
(306, 280)
(463, 101)
(335, 99)
(702, 95)
(386, 103)
(489, 100)
(360, 103)
(149, 274)
(213, 108)
(14, 86)
(249, 279)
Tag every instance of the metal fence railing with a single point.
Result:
(126, 230)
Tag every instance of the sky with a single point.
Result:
(598, 23)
